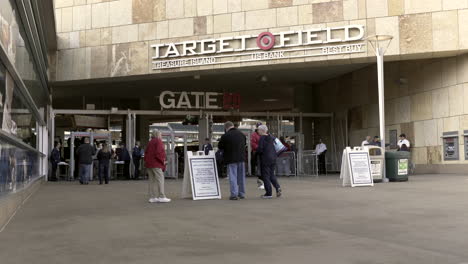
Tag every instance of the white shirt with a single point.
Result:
(364, 143)
(320, 148)
(404, 141)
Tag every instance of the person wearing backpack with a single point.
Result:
(267, 153)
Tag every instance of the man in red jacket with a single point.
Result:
(155, 161)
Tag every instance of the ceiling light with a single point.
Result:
(270, 100)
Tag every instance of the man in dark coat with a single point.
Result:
(136, 155)
(85, 153)
(54, 160)
(267, 153)
(233, 144)
(125, 157)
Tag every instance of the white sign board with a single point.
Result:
(356, 168)
(201, 180)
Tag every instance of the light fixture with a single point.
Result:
(270, 100)
(196, 76)
(264, 78)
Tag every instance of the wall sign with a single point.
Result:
(199, 100)
(265, 46)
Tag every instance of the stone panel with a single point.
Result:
(430, 133)
(280, 3)
(421, 106)
(456, 100)
(287, 16)
(100, 15)
(220, 6)
(190, 8)
(67, 19)
(465, 98)
(408, 130)
(327, 12)
(463, 123)
(403, 109)
(434, 155)
(377, 8)
(199, 25)
(162, 29)
(124, 34)
(451, 124)
(463, 28)
(419, 134)
(305, 14)
(454, 4)
(83, 38)
(350, 9)
(93, 37)
(81, 17)
(300, 2)
(396, 7)
(260, 19)
(138, 58)
(419, 155)
(432, 75)
(174, 9)
(119, 60)
(440, 130)
(204, 7)
(248, 5)
(449, 72)
(63, 41)
(362, 9)
(79, 64)
(147, 31)
(142, 11)
(159, 10)
(462, 68)
(65, 64)
(63, 3)
(416, 33)
(445, 30)
(222, 23)
(238, 21)
(440, 103)
(58, 20)
(79, 2)
(181, 27)
(234, 6)
(74, 39)
(389, 26)
(421, 6)
(209, 25)
(121, 12)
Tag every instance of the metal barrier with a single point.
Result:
(309, 163)
(172, 167)
(286, 164)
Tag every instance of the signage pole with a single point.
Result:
(380, 75)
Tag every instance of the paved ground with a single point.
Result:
(317, 221)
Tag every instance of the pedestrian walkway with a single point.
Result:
(317, 221)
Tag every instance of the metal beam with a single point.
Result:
(183, 113)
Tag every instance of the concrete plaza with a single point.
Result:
(424, 220)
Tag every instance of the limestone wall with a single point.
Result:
(424, 98)
(107, 38)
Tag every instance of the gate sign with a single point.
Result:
(264, 46)
(199, 100)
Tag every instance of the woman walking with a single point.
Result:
(104, 157)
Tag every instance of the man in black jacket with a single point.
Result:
(54, 160)
(267, 153)
(233, 144)
(85, 153)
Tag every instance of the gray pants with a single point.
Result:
(156, 183)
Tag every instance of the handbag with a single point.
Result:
(279, 147)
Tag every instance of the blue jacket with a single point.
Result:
(266, 150)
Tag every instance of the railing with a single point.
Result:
(286, 164)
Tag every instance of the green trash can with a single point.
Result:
(397, 165)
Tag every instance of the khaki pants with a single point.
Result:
(156, 181)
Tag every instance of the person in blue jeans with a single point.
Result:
(233, 144)
(85, 153)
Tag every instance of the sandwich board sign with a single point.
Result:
(355, 167)
(201, 181)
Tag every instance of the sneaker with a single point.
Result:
(164, 200)
(153, 200)
(266, 196)
(241, 197)
(261, 187)
(233, 198)
(279, 193)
